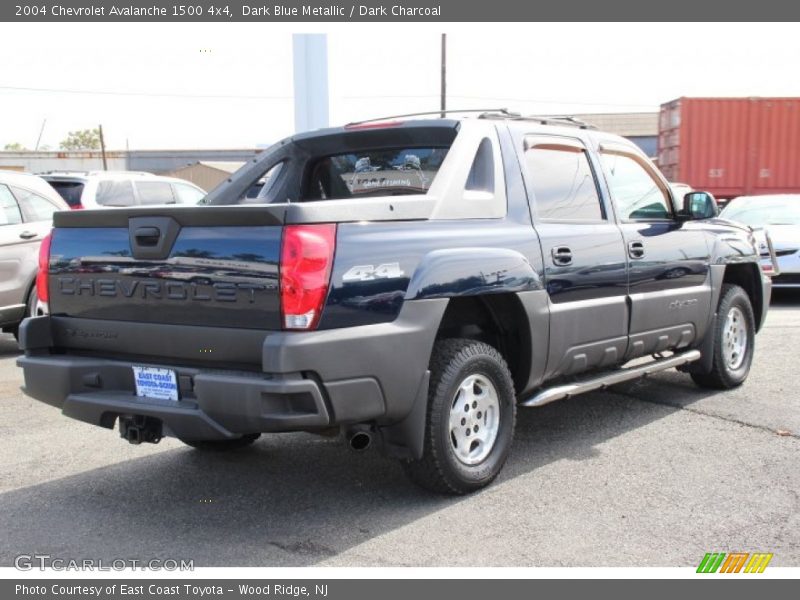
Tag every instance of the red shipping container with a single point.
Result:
(731, 146)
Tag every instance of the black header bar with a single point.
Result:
(399, 11)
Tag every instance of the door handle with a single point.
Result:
(28, 235)
(636, 249)
(147, 236)
(562, 255)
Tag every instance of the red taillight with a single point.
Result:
(43, 275)
(305, 271)
(77, 207)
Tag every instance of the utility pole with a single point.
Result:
(443, 102)
(103, 148)
(39, 139)
(310, 57)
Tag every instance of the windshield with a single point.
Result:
(383, 172)
(763, 212)
(70, 190)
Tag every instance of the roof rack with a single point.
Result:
(432, 112)
(541, 119)
(489, 113)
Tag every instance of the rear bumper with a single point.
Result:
(372, 374)
(212, 405)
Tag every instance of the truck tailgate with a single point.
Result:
(214, 266)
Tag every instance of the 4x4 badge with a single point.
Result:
(370, 272)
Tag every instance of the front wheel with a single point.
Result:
(470, 422)
(734, 341)
(223, 445)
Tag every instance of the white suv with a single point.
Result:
(105, 189)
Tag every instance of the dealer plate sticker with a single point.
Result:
(156, 383)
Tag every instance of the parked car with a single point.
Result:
(27, 204)
(104, 189)
(413, 312)
(679, 191)
(779, 217)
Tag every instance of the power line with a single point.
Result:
(538, 101)
(144, 94)
(287, 97)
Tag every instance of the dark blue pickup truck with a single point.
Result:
(410, 282)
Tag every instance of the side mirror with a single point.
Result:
(698, 205)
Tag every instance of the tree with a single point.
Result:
(85, 139)
(15, 147)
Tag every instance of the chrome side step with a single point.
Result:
(603, 381)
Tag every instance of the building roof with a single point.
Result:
(228, 166)
(624, 124)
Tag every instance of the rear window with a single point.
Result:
(155, 192)
(115, 192)
(70, 191)
(381, 172)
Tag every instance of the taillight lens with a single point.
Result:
(305, 271)
(43, 275)
(77, 207)
(373, 125)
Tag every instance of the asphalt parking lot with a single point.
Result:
(654, 473)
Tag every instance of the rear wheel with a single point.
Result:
(471, 417)
(734, 341)
(223, 445)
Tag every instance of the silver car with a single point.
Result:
(105, 189)
(27, 204)
(779, 216)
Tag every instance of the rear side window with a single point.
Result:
(259, 190)
(155, 192)
(35, 207)
(636, 190)
(115, 192)
(380, 172)
(564, 187)
(9, 210)
(70, 191)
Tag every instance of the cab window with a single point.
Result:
(562, 180)
(639, 194)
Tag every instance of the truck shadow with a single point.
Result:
(8, 345)
(290, 500)
(784, 298)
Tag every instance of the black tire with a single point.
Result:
(440, 470)
(724, 374)
(32, 303)
(223, 445)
